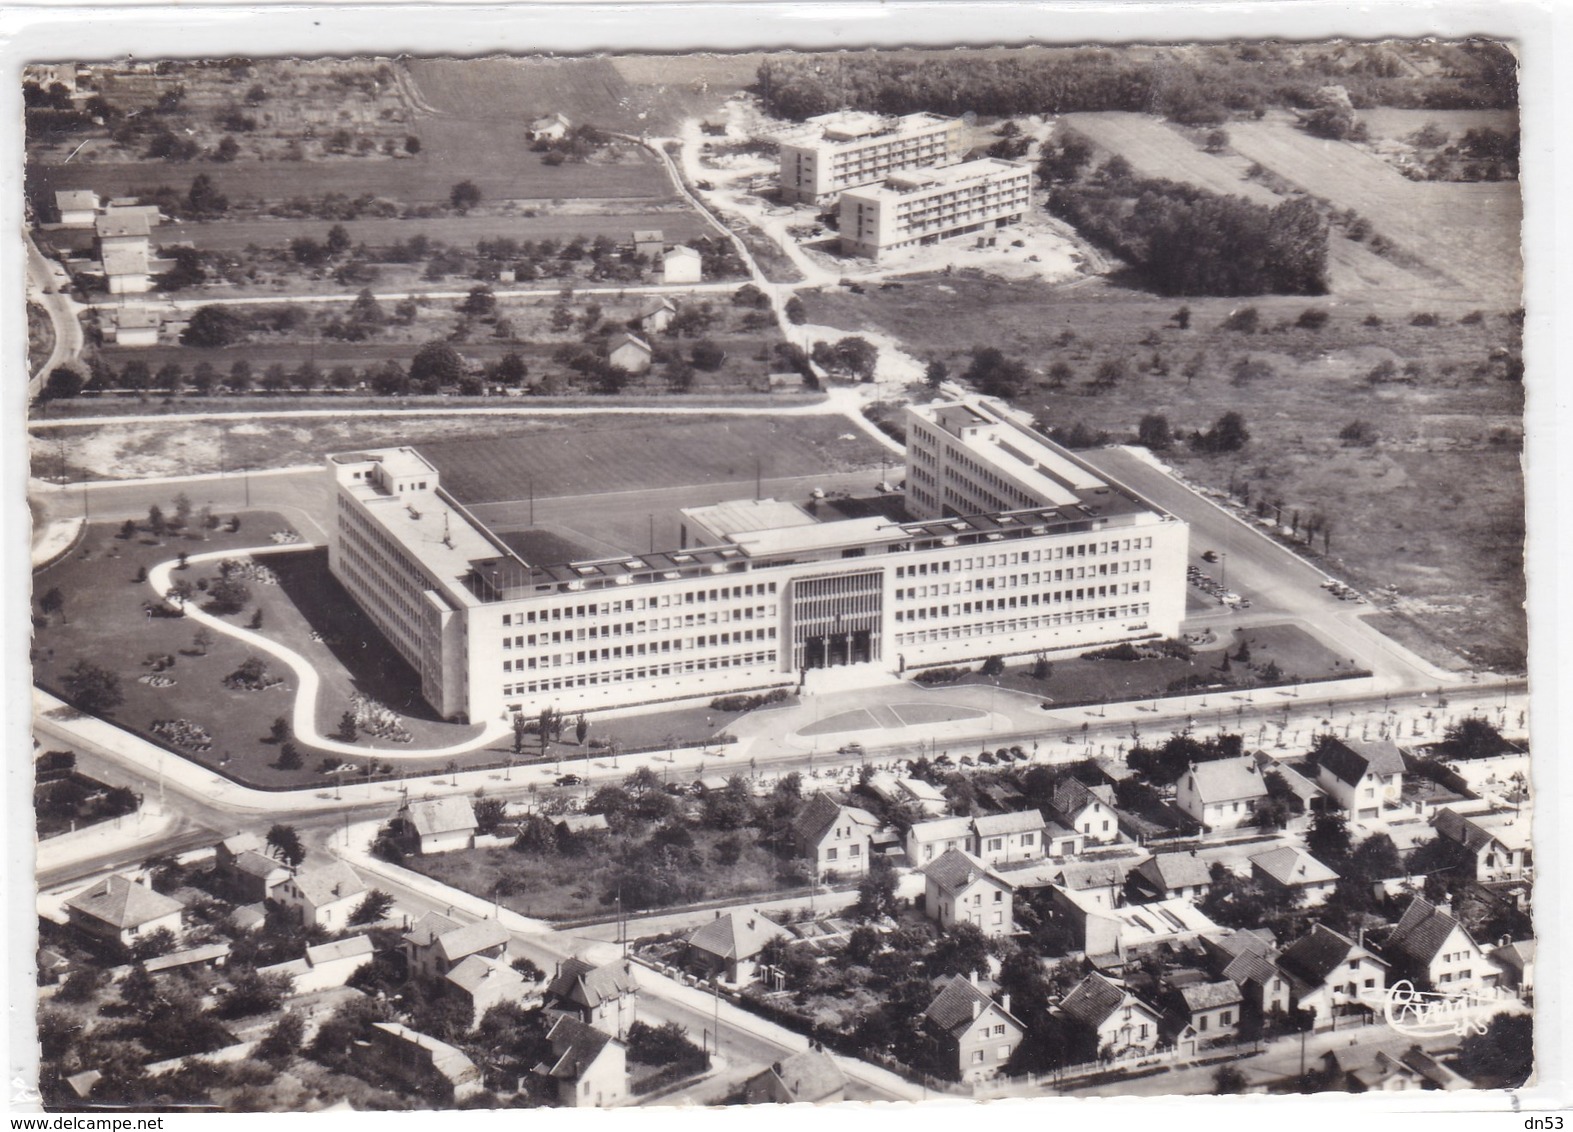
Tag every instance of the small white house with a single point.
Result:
(1295, 871)
(443, 824)
(681, 265)
(127, 269)
(960, 889)
(1431, 947)
(629, 352)
(1221, 794)
(121, 911)
(1360, 775)
(552, 127)
(1087, 810)
(1005, 839)
(649, 242)
(136, 326)
(927, 841)
(324, 895)
(77, 207)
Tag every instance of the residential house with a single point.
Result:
(1516, 962)
(435, 1069)
(136, 326)
(1221, 794)
(1391, 1067)
(1060, 842)
(925, 795)
(210, 955)
(128, 269)
(626, 351)
(78, 208)
(441, 825)
(1102, 1019)
(323, 895)
(1006, 839)
(244, 869)
(1108, 934)
(1249, 958)
(1170, 876)
(728, 947)
(581, 825)
(326, 965)
(435, 944)
(1211, 1009)
(929, 840)
(808, 1077)
(606, 997)
(118, 910)
(1294, 872)
(681, 265)
(1501, 848)
(1304, 796)
(976, 1035)
(960, 889)
(833, 836)
(1436, 952)
(656, 315)
(1360, 775)
(1087, 810)
(649, 242)
(1101, 884)
(481, 983)
(589, 1066)
(1332, 975)
(552, 127)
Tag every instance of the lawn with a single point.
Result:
(560, 886)
(1434, 504)
(40, 336)
(1298, 655)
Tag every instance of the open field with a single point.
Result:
(1468, 232)
(1389, 123)
(1441, 475)
(586, 455)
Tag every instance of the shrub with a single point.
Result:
(1122, 651)
(749, 703)
(941, 675)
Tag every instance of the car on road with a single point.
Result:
(966, 760)
(570, 780)
(1210, 556)
(817, 493)
(850, 749)
(987, 758)
(884, 487)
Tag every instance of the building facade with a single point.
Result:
(1014, 547)
(924, 206)
(851, 148)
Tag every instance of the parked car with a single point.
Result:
(987, 758)
(1210, 556)
(966, 760)
(570, 780)
(817, 493)
(851, 749)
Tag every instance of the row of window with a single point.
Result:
(600, 609)
(1024, 557)
(652, 672)
(1022, 625)
(1011, 581)
(634, 628)
(643, 648)
(1023, 601)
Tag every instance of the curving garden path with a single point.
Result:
(304, 713)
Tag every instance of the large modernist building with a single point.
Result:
(1011, 546)
(851, 148)
(924, 206)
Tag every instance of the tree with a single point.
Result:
(1328, 840)
(53, 602)
(156, 524)
(128, 530)
(228, 595)
(481, 302)
(213, 326)
(960, 951)
(489, 813)
(347, 731)
(228, 149)
(731, 807)
(1227, 1080)
(434, 365)
(289, 756)
(204, 199)
(252, 992)
(372, 908)
(707, 355)
(92, 689)
(521, 728)
(1473, 738)
(796, 313)
(285, 844)
(338, 240)
(1153, 433)
(1503, 1057)
(1229, 434)
(581, 728)
(464, 196)
(282, 1041)
(877, 891)
(996, 375)
(63, 384)
(857, 357)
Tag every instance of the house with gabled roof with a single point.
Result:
(1212, 1009)
(322, 895)
(325, 965)
(481, 982)
(1006, 839)
(441, 825)
(960, 889)
(1221, 794)
(1515, 959)
(927, 841)
(1436, 952)
(1087, 810)
(1332, 975)
(682, 265)
(135, 326)
(1098, 884)
(436, 944)
(728, 946)
(810, 1076)
(78, 208)
(1248, 957)
(1360, 775)
(435, 1069)
(550, 127)
(835, 837)
(629, 352)
(975, 1034)
(606, 997)
(1170, 876)
(656, 315)
(1293, 872)
(589, 1066)
(118, 910)
(649, 242)
(1501, 848)
(1102, 1019)
(245, 870)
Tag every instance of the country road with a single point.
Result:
(45, 280)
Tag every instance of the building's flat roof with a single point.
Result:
(868, 531)
(908, 181)
(846, 126)
(136, 318)
(737, 516)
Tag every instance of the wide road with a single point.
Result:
(1277, 580)
(45, 278)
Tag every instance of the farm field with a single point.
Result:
(1386, 123)
(1468, 232)
(1441, 475)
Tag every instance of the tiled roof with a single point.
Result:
(582, 823)
(1081, 875)
(1293, 867)
(579, 982)
(1316, 954)
(442, 815)
(447, 1060)
(1422, 930)
(579, 1045)
(75, 199)
(1228, 780)
(735, 935)
(681, 252)
(479, 936)
(1250, 967)
(257, 864)
(1175, 870)
(122, 259)
(123, 904)
(619, 340)
(1518, 954)
(477, 970)
(327, 883)
(1209, 996)
(808, 1076)
(1026, 821)
(355, 947)
(425, 930)
(1349, 759)
(952, 1010)
(656, 305)
(1456, 827)
(186, 958)
(818, 814)
(1072, 796)
(954, 870)
(1092, 1000)
(241, 843)
(942, 829)
(122, 222)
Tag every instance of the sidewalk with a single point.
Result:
(148, 823)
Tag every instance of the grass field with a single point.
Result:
(40, 336)
(1468, 232)
(1442, 476)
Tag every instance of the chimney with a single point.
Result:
(1005, 1003)
(977, 1008)
(972, 977)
